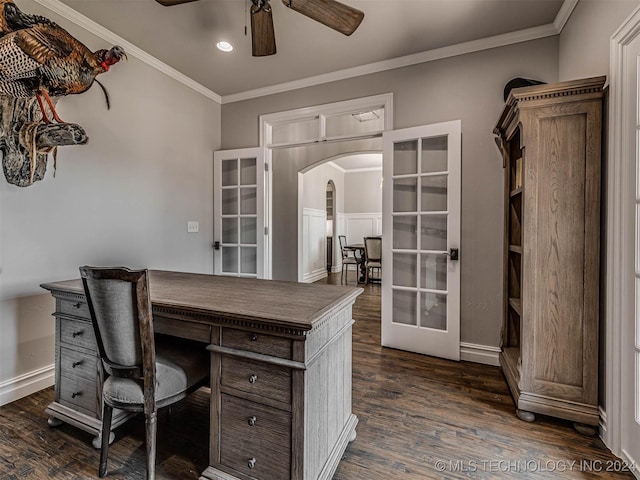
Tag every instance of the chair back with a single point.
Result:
(120, 308)
(373, 249)
(343, 243)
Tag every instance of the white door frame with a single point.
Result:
(620, 234)
(321, 111)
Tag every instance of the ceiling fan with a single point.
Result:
(333, 14)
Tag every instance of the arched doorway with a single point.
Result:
(337, 195)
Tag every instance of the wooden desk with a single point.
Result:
(280, 369)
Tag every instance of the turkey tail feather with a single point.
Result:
(106, 94)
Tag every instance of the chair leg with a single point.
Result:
(107, 412)
(151, 425)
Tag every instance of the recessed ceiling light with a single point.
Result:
(224, 46)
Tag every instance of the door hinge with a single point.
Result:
(266, 167)
(266, 230)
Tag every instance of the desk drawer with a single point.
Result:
(180, 328)
(75, 362)
(79, 393)
(76, 308)
(257, 342)
(255, 377)
(255, 439)
(77, 333)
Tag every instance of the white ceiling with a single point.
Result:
(184, 36)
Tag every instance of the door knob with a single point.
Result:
(454, 254)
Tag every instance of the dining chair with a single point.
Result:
(142, 373)
(347, 259)
(372, 256)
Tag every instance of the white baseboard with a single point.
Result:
(314, 276)
(23, 385)
(632, 462)
(484, 354)
(603, 424)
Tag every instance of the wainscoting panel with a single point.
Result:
(360, 225)
(314, 249)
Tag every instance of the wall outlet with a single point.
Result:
(193, 227)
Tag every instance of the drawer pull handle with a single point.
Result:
(76, 394)
(77, 305)
(251, 463)
(254, 337)
(253, 378)
(75, 364)
(252, 421)
(77, 334)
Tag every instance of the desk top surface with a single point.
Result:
(285, 303)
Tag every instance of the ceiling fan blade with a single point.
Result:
(170, 3)
(333, 14)
(263, 38)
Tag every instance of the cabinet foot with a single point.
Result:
(97, 440)
(54, 422)
(526, 416)
(586, 430)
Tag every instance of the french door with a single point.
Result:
(421, 239)
(241, 213)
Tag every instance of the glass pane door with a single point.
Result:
(422, 218)
(238, 211)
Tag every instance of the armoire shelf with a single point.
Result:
(550, 139)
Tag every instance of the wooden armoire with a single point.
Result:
(550, 139)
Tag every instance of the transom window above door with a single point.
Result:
(354, 119)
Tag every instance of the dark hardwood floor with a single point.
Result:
(420, 418)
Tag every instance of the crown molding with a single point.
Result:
(564, 13)
(363, 170)
(399, 62)
(353, 170)
(92, 27)
(336, 166)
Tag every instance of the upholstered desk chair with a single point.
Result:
(143, 374)
(372, 255)
(347, 259)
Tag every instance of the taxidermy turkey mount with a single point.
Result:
(333, 14)
(40, 59)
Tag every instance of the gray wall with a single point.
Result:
(467, 87)
(362, 192)
(315, 187)
(584, 42)
(125, 198)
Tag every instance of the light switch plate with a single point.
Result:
(193, 226)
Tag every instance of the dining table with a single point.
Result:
(358, 251)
